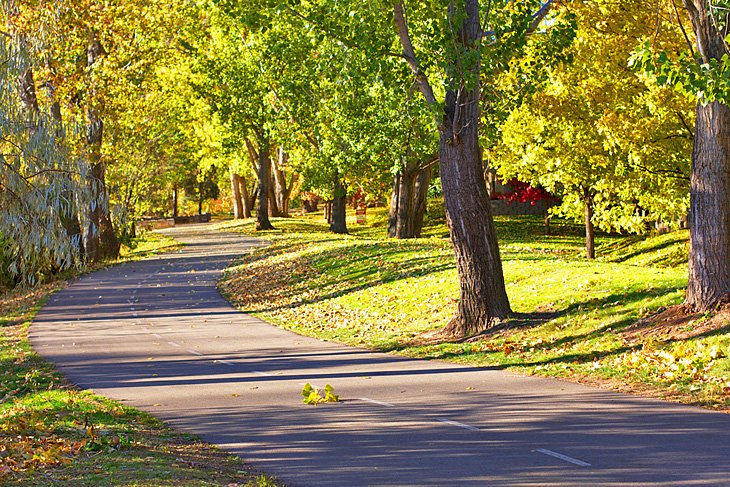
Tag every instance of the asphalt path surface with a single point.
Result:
(157, 335)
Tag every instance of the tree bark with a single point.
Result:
(282, 188)
(274, 209)
(102, 242)
(709, 215)
(175, 202)
(339, 208)
(237, 200)
(400, 218)
(247, 199)
(408, 202)
(590, 230)
(420, 196)
(483, 299)
(264, 172)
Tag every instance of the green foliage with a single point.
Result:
(314, 396)
(596, 134)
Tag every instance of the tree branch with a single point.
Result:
(410, 55)
(539, 16)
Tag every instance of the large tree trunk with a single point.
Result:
(102, 242)
(483, 298)
(339, 207)
(264, 168)
(709, 216)
(236, 196)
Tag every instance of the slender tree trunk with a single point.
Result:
(236, 196)
(420, 196)
(328, 211)
(247, 200)
(709, 216)
(590, 231)
(264, 168)
(175, 201)
(282, 189)
(339, 207)
(394, 201)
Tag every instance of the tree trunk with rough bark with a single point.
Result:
(274, 209)
(282, 188)
(709, 215)
(400, 218)
(264, 168)
(339, 207)
(408, 202)
(483, 300)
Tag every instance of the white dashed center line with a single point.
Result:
(379, 403)
(194, 352)
(562, 457)
(460, 425)
(262, 374)
(173, 344)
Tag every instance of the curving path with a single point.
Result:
(157, 335)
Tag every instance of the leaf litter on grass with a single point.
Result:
(367, 290)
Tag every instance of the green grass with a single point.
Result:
(367, 290)
(54, 434)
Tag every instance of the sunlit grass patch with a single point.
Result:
(367, 290)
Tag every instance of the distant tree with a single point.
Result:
(611, 145)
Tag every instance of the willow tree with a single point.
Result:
(40, 183)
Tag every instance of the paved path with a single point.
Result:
(157, 335)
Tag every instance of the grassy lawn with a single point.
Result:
(574, 317)
(52, 433)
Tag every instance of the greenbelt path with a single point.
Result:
(157, 335)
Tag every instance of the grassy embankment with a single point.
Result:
(575, 316)
(54, 434)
